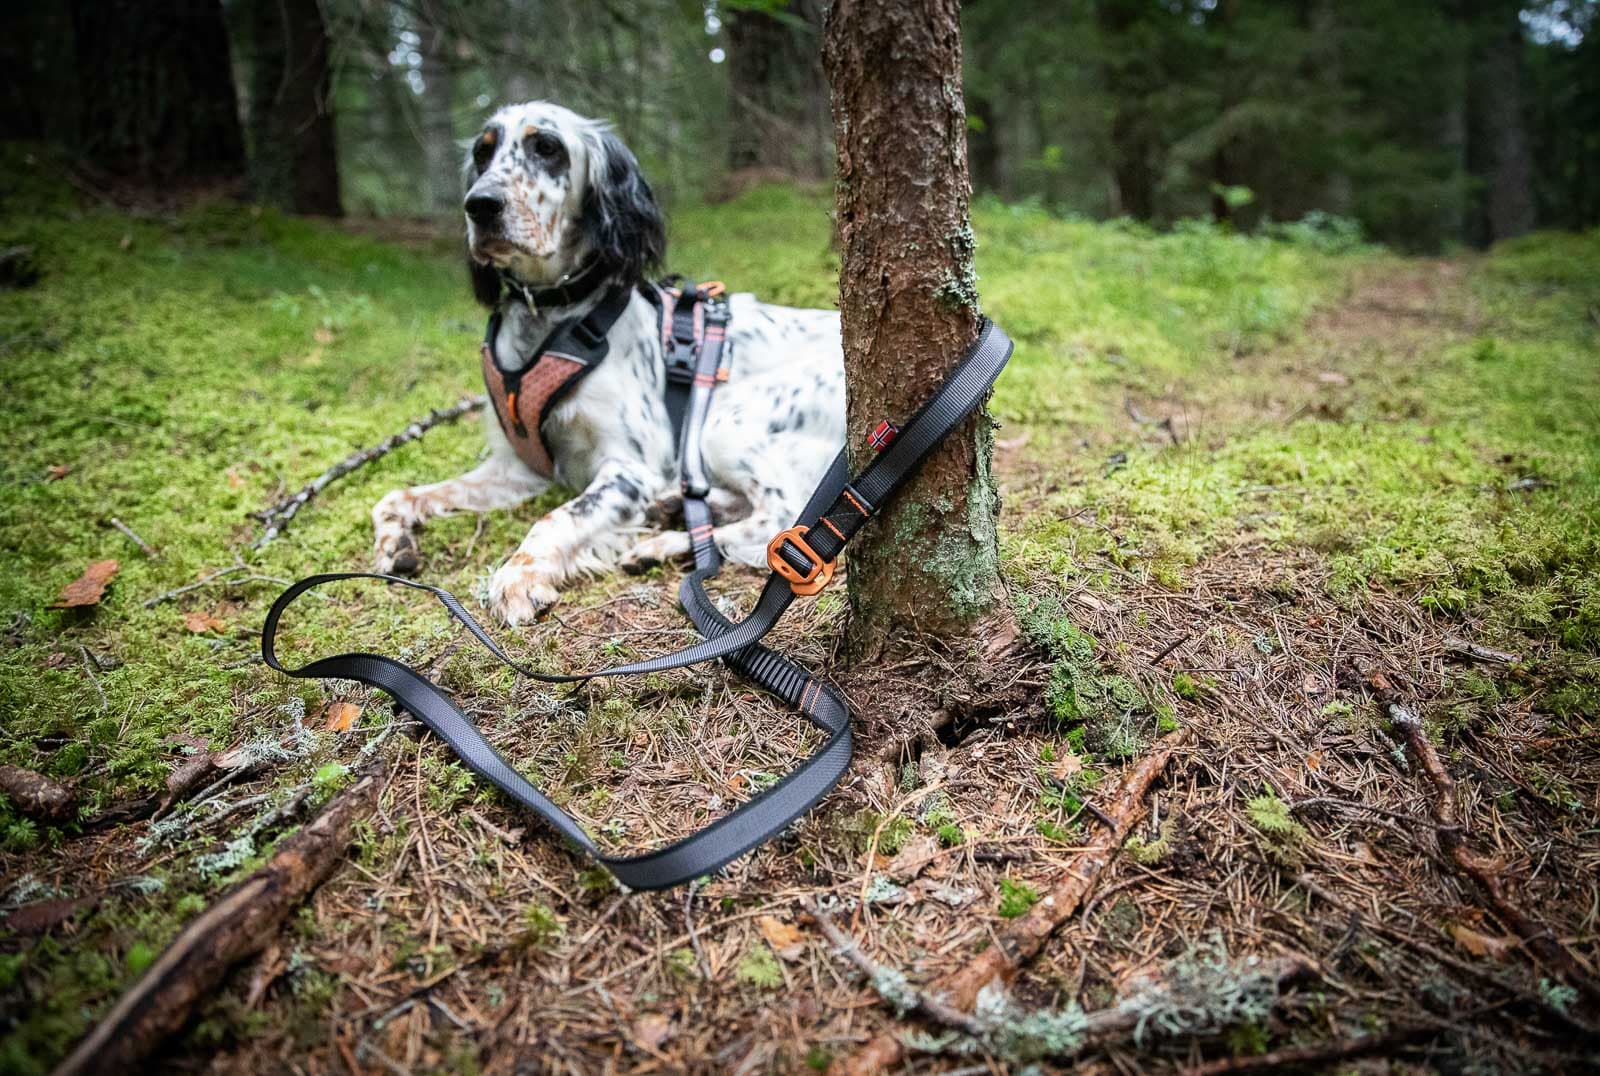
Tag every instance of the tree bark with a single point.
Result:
(1498, 137)
(908, 296)
(156, 90)
(294, 156)
(439, 153)
(779, 92)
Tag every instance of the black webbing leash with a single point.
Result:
(802, 558)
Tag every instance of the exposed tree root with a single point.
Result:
(1023, 939)
(279, 515)
(1451, 833)
(240, 923)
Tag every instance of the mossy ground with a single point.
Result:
(1168, 405)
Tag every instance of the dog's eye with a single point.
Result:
(544, 144)
(483, 153)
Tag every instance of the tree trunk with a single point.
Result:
(157, 90)
(1132, 167)
(294, 157)
(779, 118)
(930, 564)
(1498, 137)
(439, 153)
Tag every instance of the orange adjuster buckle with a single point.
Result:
(812, 581)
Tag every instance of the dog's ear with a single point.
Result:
(621, 219)
(485, 282)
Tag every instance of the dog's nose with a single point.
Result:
(484, 208)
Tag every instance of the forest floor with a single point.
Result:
(1265, 499)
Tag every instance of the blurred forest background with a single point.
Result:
(1423, 124)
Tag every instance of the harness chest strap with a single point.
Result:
(523, 398)
(808, 549)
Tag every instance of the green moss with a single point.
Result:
(1016, 898)
(760, 969)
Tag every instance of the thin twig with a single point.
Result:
(902, 995)
(150, 603)
(278, 516)
(1170, 647)
(1451, 833)
(143, 545)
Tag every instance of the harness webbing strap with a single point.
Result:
(736, 643)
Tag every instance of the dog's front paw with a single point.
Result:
(397, 554)
(670, 546)
(394, 546)
(519, 592)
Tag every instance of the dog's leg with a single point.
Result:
(499, 482)
(587, 534)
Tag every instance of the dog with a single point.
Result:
(552, 195)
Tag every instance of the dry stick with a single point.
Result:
(1325, 1054)
(143, 545)
(1025, 936)
(241, 923)
(278, 516)
(168, 595)
(906, 997)
(1452, 837)
(1464, 648)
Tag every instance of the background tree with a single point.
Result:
(908, 296)
(778, 96)
(294, 158)
(155, 90)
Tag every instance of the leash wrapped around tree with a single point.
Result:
(801, 557)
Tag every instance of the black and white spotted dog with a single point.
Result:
(550, 192)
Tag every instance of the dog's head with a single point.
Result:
(547, 191)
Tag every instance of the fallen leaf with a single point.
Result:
(40, 916)
(268, 968)
(1480, 944)
(913, 858)
(88, 587)
(341, 715)
(56, 472)
(1314, 760)
(1067, 765)
(201, 622)
(652, 1029)
(954, 896)
(785, 939)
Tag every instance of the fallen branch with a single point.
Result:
(36, 796)
(241, 923)
(1325, 1054)
(1023, 939)
(1451, 834)
(278, 516)
(1471, 651)
(891, 985)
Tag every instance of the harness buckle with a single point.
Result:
(803, 584)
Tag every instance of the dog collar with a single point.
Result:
(570, 290)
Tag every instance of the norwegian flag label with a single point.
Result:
(884, 433)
